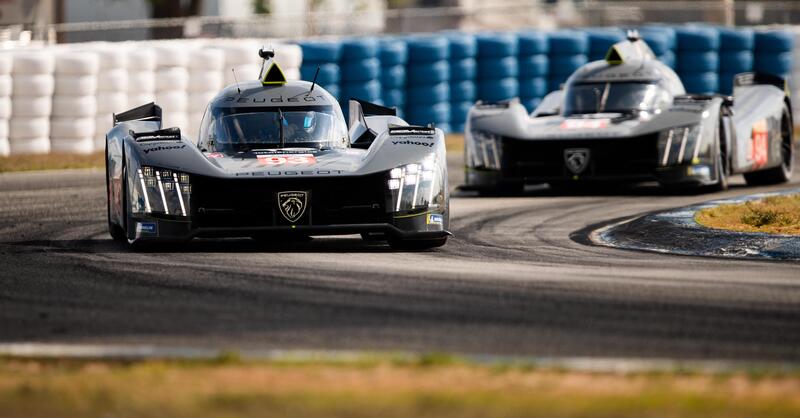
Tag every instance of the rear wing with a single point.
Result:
(361, 136)
(147, 112)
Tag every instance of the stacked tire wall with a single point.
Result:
(533, 68)
(31, 102)
(361, 69)
(773, 52)
(498, 67)
(74, 102)
(324, 55)
(463, 73)
(428, 81)
(568, 52)
(112, 90)
(698, 59)
(735, 56)
(6, 87)
(393, 54)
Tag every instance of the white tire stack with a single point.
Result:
(6, 87)
(172, 80)
(289, 57)
(241, 56)
(141, 75)
(206, 78)
(74, 102)
(31, 102)
(112, 90)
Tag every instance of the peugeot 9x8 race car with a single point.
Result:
(628, 118)
(275, 159)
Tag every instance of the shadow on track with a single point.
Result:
(203, 245)
(595, 189)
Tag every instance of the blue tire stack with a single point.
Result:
(698, 59)
(428, 81)
(533, 68)
(498, 67)
(568, 52)
(773, 53)
(735, 56)
(324, 55)
(394, 56)
(601, 40)
(361, 70)
(463, 71)
(662, 40)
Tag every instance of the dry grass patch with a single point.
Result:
(454, 142)
(775, 214)
(384, 388)
(56, 161)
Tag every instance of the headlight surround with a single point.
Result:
(484, 151)
(416, 186)
(161, 191)
(681, 145)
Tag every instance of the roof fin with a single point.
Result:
(613, 57)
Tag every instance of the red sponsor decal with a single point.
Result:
(759, 149)
(215, 155)
(291, 159)
(584, 123)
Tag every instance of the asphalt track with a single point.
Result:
(516, 279)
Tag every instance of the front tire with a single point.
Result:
(721, 165)
(783, 172)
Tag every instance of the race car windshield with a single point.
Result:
(611, 98)
(242, 129)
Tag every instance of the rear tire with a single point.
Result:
(783, 172)
(416, 244)
(117, 232)
(721, 165)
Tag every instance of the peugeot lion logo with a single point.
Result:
(577, 159)
(292, 205)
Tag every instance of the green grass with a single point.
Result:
(435, 385)
(775, 214)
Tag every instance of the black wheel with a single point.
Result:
(117, 232)
(721, 166)
(783, 172)
(416, 244)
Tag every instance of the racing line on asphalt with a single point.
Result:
(512, 281)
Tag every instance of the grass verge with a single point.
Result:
(425, 387)
(774, 214)
(56, 161)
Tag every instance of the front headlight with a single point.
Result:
(416, 186)
(679, 145)
(484, 151)
(161, 191)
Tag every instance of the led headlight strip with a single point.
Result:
(485, 150)
(162, 183)
(685, 137)
(416, 180)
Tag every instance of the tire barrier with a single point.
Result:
(533, 67)
(773, 53)
(45, 92)
(498, 82)
(393, 53)
(463, 76)
(360, 71)
(735, 55)
(568, 51)
(30, 106)
(698, 58)
(600, 40)
(427, 80)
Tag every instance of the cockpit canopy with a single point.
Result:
(615, 97)
(255, 116)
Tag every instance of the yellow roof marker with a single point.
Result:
(274, 76)
(613, 56)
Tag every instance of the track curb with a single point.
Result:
(676, 232)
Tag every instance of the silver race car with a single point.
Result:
(275, 159)
(628, 118)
